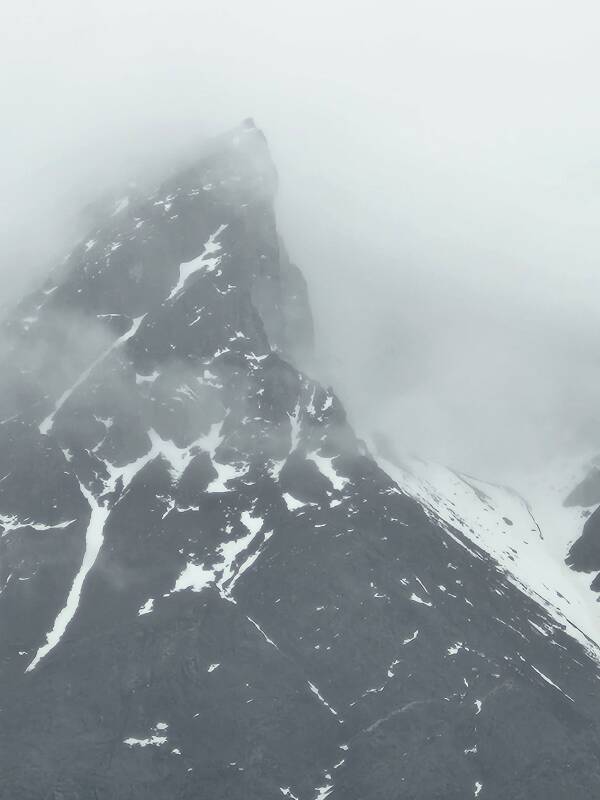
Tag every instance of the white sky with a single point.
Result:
(440, 183)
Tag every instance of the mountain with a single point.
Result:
(210, 587)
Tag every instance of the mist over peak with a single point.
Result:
(439, 186)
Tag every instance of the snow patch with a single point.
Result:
(550, 682)
(195, 577)
(205, 261)
(120, 205)
(146, 608)
(315, 691)
(416, 599)
(154, 740)
(147, 378)
(411, 638)
(13, 523)
(292, 503)
(326, 468)
(93, 542)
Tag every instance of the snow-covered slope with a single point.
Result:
(528, 534)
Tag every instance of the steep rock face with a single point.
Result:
(584, 555)
(208, 586)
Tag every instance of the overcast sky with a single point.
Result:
(440, 185)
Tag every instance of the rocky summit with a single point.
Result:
(211, 587)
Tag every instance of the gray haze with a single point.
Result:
(440, 186)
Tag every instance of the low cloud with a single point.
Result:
(439, 169)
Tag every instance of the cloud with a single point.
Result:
(440, 174)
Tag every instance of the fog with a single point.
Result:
(439, 186)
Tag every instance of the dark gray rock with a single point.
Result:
(584, 555)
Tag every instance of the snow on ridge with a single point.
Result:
(179, 458)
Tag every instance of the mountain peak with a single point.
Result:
(208, 586)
